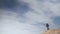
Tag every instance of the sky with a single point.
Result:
(28, 16)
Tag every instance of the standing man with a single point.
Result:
(47, 25)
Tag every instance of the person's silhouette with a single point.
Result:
(47, 25)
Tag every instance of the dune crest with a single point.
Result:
(52, 31)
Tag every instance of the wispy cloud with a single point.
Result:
(43, 11)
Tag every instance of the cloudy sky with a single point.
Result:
(28, 16)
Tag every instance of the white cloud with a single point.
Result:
(43, 11)
(38, 17)
(10, 24)
(40, 7)
(37, 14)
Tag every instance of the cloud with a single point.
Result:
(10, 24)
(37, 14)
(43, 11)
(15, 5)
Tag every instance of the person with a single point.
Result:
(47, 25)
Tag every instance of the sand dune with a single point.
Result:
(52, 32)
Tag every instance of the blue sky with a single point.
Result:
(28, 16)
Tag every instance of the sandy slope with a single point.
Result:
(52, 32)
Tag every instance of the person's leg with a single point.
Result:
(47, 28)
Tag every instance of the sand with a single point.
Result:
(52, 31)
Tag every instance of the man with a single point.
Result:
(47, 25)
